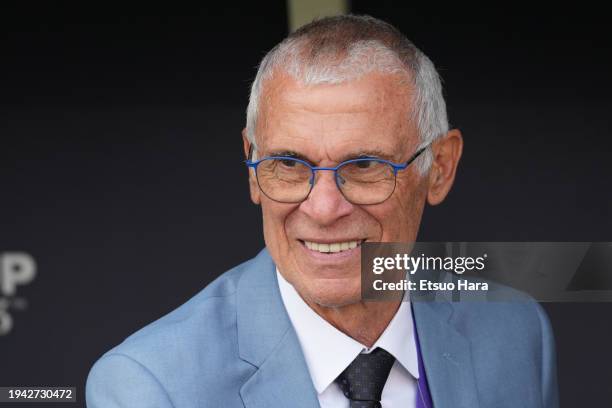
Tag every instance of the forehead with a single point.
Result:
(369, 113)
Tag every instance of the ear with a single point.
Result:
(447, 152)
(254, 188)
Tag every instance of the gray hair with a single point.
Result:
(338, 49)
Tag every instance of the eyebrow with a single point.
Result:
(374, 153)
(288, 153)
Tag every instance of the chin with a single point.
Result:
(331, 295)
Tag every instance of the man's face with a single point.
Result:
(325, 125)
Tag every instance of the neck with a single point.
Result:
(363, 321)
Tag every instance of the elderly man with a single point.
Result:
(346, 139)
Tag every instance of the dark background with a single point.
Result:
(121, 160)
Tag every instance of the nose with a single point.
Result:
(325, 204)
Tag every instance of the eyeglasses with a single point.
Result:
(362, 181)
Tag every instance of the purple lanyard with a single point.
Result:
(423, 396)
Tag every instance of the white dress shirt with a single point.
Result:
(328, 352)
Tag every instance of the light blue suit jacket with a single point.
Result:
(233, 345)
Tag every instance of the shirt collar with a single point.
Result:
(328, 351)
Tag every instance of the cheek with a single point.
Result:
(275, 215)
(400, 215)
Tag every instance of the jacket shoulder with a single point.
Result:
(168, 357)
(510, 338)
(213, 304)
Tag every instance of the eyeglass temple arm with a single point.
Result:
(250, 152)
(249, 161)
(413, 158)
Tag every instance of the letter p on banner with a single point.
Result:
(16, 268)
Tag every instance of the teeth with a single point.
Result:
(334, 247)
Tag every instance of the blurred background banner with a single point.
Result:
(302, 12)
(123, 190)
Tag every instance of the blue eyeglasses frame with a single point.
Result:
(396, 167)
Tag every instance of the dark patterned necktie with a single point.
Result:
(363, 380)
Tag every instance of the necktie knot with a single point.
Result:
(363, 380)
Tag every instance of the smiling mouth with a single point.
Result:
(332, 247)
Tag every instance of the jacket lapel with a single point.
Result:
(446, 355)
(267, 340)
